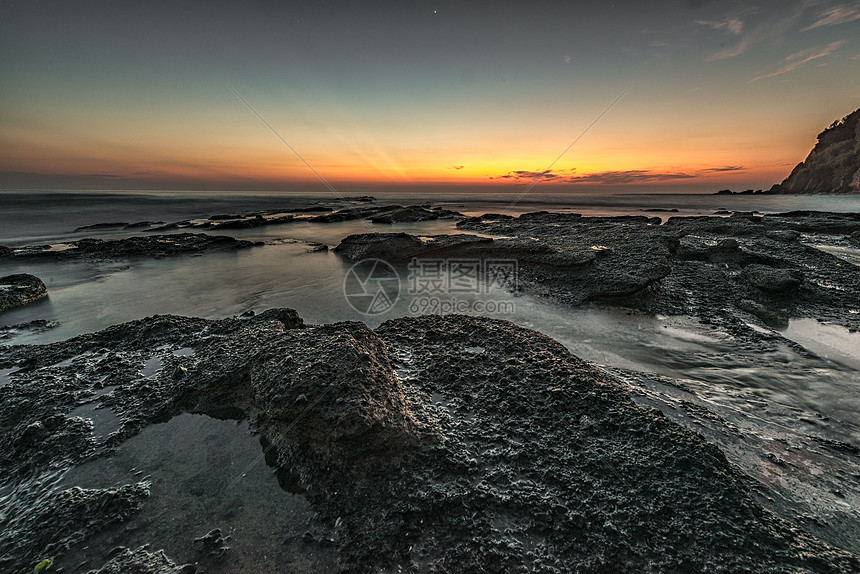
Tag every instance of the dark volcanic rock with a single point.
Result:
(772, 280)
(399, 247)
(833, 165)
(386, 214)
(689, 265)
(139, 246)
(41, 524)
(35, 325)
(450, 444)
(256, 221)
(20, 289)
(141, 561)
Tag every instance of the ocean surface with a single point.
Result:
(29, 217)
(776, 396)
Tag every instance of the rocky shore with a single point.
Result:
(752, 267)
(311, 213)
(152, 246)
(448, 444)
(20, 289)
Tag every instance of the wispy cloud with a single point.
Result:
(834, 16)
(732, 25)
(617, 177)
(528, 175)
(798, 59)
(750, 27)
(629, 176)
(457, 167)
(723, 169)
(736, 50)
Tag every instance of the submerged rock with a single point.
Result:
(451, 444)
(20, 289)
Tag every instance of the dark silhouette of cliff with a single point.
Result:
(833, 165)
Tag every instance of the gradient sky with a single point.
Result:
(114, 95)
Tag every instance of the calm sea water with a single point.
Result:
(28, 217)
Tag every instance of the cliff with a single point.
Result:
(833, 165)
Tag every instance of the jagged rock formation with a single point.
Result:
(833, 165)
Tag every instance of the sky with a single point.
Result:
(691, 94)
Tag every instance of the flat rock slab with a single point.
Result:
(450, 444)
(161, 245)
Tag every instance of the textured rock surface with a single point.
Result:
(707, 267)
(20, 289)
(139, 246)
(451, 444)
(833, 165)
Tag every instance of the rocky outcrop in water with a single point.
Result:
(451, 444)
(20, 289)
(387, 214)
(709, 267)
(157, 246)
(833, 165)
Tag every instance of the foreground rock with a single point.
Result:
(165, 245)
(833, 165)
(20, 289)
(450, 444)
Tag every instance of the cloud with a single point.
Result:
(798, 59)
(620, 177)
(734, 26)
(659, 44)
(834, 16)
(522, 174)
(457, 167)
(753, 26)
(628, 176)
(737, 50)
(724, 169)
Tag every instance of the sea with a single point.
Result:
(770, 396)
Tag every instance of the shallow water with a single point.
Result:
(86, 297)
(204, 474)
